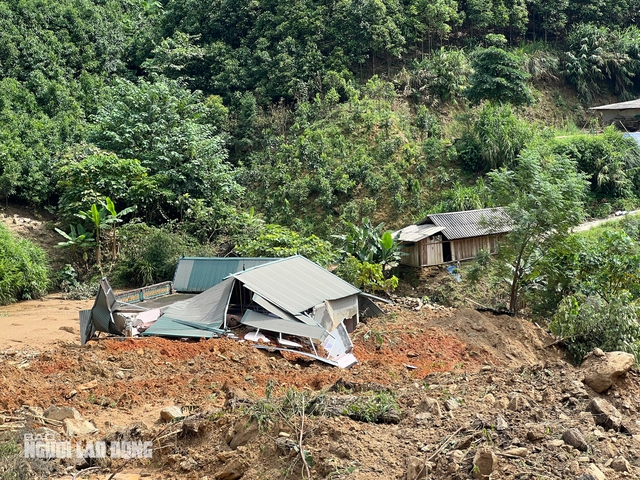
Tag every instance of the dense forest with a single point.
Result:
(149, 130)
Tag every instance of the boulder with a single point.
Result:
(61, 413)
(601, 370)
(170, 413)
(78, 428)
(605, 414)
(574, 437)
(620, 464)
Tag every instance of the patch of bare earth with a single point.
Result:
(453, 373)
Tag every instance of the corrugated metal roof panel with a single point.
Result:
(469, 223)
(415, 233)
(619, 106)
(165, 327)
(279, 325)
(208, 308)
(295, 284)
(197, 274)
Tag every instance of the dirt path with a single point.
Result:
(38, 324)
(583, 227)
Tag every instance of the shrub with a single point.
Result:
(587, 322)
(150, 254)
(366, 276)
(24, 273)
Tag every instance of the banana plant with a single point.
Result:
(113, 218)
(78, 238)
(97, 217)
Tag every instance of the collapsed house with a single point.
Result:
(452, 237)
(303, 308)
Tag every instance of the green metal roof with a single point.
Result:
(295, 284)
(166, 327)
(280, 325)
(197, 274)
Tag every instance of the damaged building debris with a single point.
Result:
(289, 304)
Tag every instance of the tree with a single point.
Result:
(77, 238)
(498, 77)
(98, 219)
(544, 199)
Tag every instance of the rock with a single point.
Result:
(451, 404)
(423, 418)
(193, 427)
(169, 413)
(592, 473)
(88, 385)
(489, 399)
(285, 445)
(600, 372)
(465, 442)
(232, 470)
(501, 424)
(416, 468)
(430, 405)
(241, 433)
(74, 427)
(518, 403)
(484, 463)
(536, 432)
(47, 432)
(517, 452)
(61, 413)
(119, 375)
(620, 464)
(556, 443)
(188, 465)
(605, 414)
(574, 437)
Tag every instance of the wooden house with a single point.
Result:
(452, 237)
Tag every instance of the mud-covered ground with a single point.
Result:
(442, 383)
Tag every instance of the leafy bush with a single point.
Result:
(586, 322)
(278, 241)
(150, 254)
(374, 409)
(24, 273)
(366, 276)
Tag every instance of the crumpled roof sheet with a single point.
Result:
(415, 233)
(280, 325)
(470, 223)
(295, 284)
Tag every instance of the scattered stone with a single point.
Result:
(61, 413)
(285, 445)
(536, 432)
(465, 442)
(68, 329)
(231, 471)
(484, 463)
(592, 473)
(241, 433)
(517, 403)
(489, 399)
(620, 464)
(71, 394)
(119, 375)
(74, 427)
(451, 404)
(556, 443)
(170, 413)
(605, 414)
(88, 385)
(188, 465)
(423, 418)
(501, 423)
(601, 371)
(430, 405)
(574, 437)
(517, 452)
(416, 468)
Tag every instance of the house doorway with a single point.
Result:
(446, 252)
